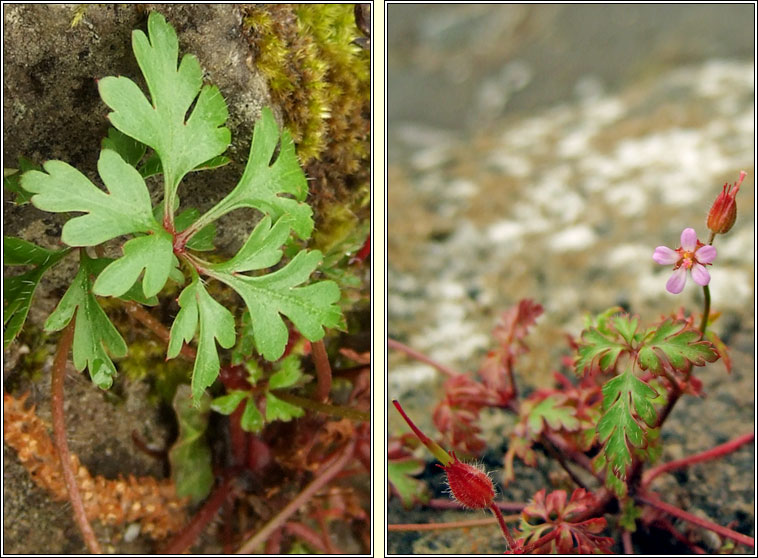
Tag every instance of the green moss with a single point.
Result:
(321, 79)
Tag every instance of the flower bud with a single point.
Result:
(471, 487)
(723, 213)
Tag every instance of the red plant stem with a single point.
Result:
(448, 525)
(444, 504)
(421, 357)
(555, 454)
(61, 444)
(503, 526)
(237, 436)
(323, 370)
(308, 535)
(331, 549)
(184, 540)
(325, 475)
(652, 500)
(626, 541)
(273, 544)
(666, 524)
(707, 455)
(531, 547)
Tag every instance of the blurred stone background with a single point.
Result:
(544, 152)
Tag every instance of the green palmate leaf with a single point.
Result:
(12, 180)
(400, 473)
(227, 404)
(288, 374)
(311, 308)
(215, 323)
(181, 142)
(202, 241)
(601, 348)
(627, 402)
(190, 456)
(62, 188)
(252, 419)
(94, 334)
(18, 290)
(673, 343)
(262, 249)
(129, 148)
(276, 409)
(263, 182)
(153, 253)
(553, 414)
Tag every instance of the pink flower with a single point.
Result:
(692, 255)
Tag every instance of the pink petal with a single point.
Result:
(706, 254)
(700, 275)
(665, 256)
(689, 239)
(676, 282)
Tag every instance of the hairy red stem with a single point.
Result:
(322, 478)
(449, 525)
(503, 526)
(666, 524)
(323, 371)
(707, 455)
(421, 357)
(652, 500)
(445, 504)
(61, 444)
(531, 547)
(184, 540)
(160, 331)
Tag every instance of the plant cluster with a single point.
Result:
(607, 421)
(264, 386)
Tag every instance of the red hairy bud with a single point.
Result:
(469, 486)
(723, 212)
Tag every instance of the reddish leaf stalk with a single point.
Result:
(558, 457)
(61, 444)
(531, 547)
(713, 453)
(323, 370)
(440, 503)
(421, 357)
(449, 525)
(653, 501)
(326, 475)
(626, 541)
(309, 536)
(503, 526)
(666, 524)
(160, 331)
(185, 539)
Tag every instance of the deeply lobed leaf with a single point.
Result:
(182, 142)
(215, 323)
(628, 406)
(125, 210)
(311, 308)
(673, 343)
(18, 290)
(94, 334)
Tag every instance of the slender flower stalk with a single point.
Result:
(469, 486)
